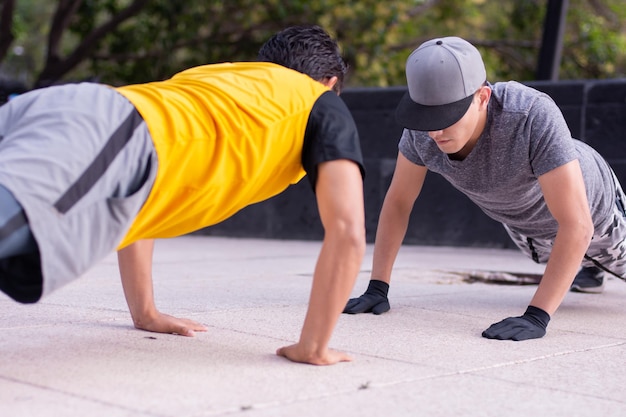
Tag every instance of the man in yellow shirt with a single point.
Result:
(86, 169)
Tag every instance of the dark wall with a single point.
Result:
(594, 110)
(9, 88)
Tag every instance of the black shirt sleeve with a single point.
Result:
(330, 134)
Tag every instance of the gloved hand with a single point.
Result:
(373, 300)
(532, 325)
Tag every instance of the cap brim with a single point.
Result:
(414, 116)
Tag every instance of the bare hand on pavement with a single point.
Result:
(163, 323)
(296, 353)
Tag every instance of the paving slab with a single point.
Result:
(76, 353)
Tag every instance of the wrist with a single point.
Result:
(378, 287)
(311, 351)
(142, 317)
(538, 316)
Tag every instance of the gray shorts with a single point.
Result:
(607, 249)
(80, 161)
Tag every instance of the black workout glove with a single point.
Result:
(532, 325)
(374, 300)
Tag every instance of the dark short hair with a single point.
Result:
(306, 49)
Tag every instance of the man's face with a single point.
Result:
(459, 139)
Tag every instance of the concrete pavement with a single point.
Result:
(77, 354)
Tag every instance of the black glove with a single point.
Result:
(532, 325)
(373, 300)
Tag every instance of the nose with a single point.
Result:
(434, 134)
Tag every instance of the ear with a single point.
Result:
(330, 82)
(484, 94)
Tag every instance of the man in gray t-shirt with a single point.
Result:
(507, 147)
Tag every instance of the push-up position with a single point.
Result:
(86, 169)
(507, 147)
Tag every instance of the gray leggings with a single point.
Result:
(15, 235)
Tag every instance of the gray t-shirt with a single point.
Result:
(525, 137)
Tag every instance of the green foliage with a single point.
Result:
(170, 36)
(376, 36)
(597, 40)
(30, 27)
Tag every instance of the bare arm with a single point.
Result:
(564, 191)
(135, 264)
(339, 192)
(405, 187)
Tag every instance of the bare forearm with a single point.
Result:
(135, 264)
(565, 259)
(564, 192)
(339, 192)
(390, 233)
(335, 274)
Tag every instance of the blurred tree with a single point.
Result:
(6, 26)
(169, 36)
(101, 22)
(595, 43)
(125, 41)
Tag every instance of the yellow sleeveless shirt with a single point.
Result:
(226, 136)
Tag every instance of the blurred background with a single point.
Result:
(43, 42)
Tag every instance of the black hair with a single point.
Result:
(306, 49)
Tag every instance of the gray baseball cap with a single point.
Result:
(442, 75)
